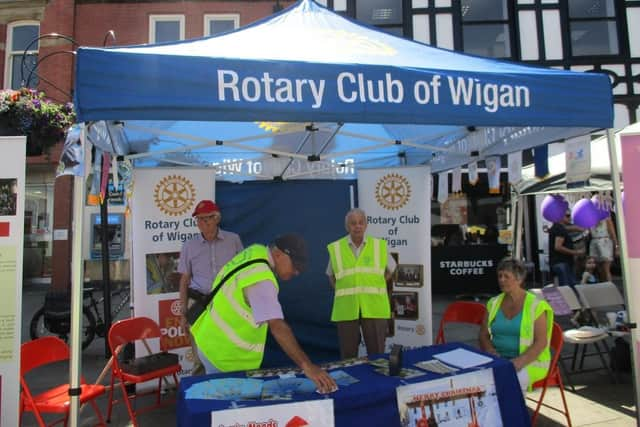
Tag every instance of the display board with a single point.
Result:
(397, 207)
(162, 203)
(12, 181)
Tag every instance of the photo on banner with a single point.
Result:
(460, 400)
(162, 272)
(409, 275)
(8, 196)
(405, 305)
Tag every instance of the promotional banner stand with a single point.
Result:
(630, 302)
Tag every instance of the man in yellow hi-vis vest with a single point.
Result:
(359, 266)
(231, 332)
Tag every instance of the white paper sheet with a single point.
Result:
(462, 358)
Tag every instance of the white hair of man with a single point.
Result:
(354, 211)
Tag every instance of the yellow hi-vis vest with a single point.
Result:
(531, 310)
(226, 332)
(361, 289)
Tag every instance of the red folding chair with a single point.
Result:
(128, 331)
(40, 352)
(461, 312)
(553, 377)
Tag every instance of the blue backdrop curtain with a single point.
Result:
(259, 211)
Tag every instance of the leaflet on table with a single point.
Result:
(462, 358)
(255, 389)
(288, 372)
(226, 389)
(435, 366)
(382, 367)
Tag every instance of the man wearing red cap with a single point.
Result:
(201, 258)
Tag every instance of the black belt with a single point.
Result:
(196, 295)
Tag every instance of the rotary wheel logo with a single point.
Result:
(174, 195)
(393, 191)
(420, 330)
(176, 307)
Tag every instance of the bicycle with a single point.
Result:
(92, 323)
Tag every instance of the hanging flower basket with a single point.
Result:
(28, 112)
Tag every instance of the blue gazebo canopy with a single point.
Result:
(307, 84)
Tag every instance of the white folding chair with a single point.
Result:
(581, 337)
(537, 292)
(570, 298)
(598, 298)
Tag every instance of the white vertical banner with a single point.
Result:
(161, 205)
(12, 180)
(493, 174)
(578, 160)
(514, 162)
(398, 210)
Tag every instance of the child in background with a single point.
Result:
(589, 267)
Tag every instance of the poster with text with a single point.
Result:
(313, 413)
(162, 202)
(456, 401)
(12, 184)
(397, 204)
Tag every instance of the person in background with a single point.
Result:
(588, 268)
(518, 325)
(561, 251)
(201, 259)
(359, 266)
(603, 246)
(232, 331)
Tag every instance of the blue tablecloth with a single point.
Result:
(372, 400)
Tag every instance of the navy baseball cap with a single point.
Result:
(293, 245)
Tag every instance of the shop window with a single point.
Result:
(216, 24)
(486, 30)
(166, 28)
(592, 26)
(384, 14)
(21, 36)
(38, 217)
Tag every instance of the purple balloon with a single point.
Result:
(585, 214)
(603, 210)
(553, 207)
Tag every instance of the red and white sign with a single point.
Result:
(173, 336)
(313, 413)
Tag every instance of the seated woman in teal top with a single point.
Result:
(518, 325)
(506, 335)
